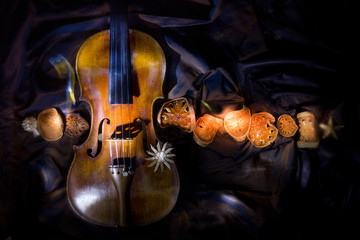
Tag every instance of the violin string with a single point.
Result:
(128, 82)
(130, 140)
(123, 74)
(111, 76)
(111, 121)
(128, 100)
(115, 30)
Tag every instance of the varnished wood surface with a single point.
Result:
(90, 187)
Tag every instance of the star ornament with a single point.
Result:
(329, 129)
(160, 156)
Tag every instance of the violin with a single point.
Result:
(110, 183)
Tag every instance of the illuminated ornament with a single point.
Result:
(178, 113)
(206, 129)
(286, 125)
(75, 125)
(160, 156)
(262, 130)
(50, 124)
(329, 129)
(237, 123)
(308, 136)
(29, 124)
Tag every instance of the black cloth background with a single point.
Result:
(271, 55)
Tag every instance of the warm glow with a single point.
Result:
(225, 111)
(237, 123)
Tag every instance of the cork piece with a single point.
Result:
(237, 123)
(206, 129)
(75, 125)
(262, 130)
(50, 124)
(308, 135)
(178, 113)
(286, 125)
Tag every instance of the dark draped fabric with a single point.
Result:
(278, 56)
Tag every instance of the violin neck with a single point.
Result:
(120, 87)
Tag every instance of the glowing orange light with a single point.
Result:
(237, 123)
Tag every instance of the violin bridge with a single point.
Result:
(121, 148)
(119, 139)
(123, 154)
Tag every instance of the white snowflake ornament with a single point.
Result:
(160, 156)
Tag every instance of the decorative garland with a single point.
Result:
(258, 128)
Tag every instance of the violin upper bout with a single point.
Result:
(148, 63)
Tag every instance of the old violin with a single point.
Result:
(120, 72)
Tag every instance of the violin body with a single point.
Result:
(97, 187)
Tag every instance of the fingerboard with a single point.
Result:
(120, 89)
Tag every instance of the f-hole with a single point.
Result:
(100, 139)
